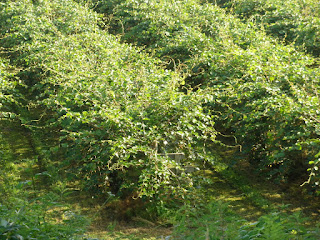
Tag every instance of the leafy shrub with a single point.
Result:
(291, 21)
(174, 29)
(113, 108)
(7, 85)
(264, 93)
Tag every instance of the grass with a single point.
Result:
(249, 203)
(129, 231)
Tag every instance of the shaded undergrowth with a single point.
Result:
(241, 198)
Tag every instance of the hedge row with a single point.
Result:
(265, 93)
(112, 107)
(294, 22)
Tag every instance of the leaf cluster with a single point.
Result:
(263, 92)
(7, 90)
(293, 22)
(113, 108)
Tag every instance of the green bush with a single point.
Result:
(7, 85)
(113, 108)
(294, 22)
(176, 30)
(264, 93)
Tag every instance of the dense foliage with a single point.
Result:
(7, 86)
(294, 22)
(265, 93)
(112, 108)
(104, 97)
